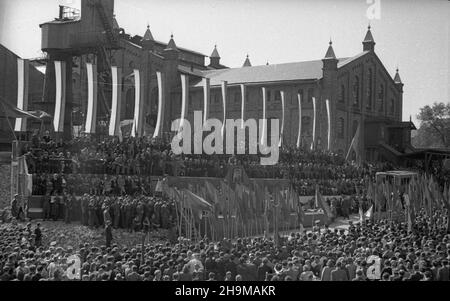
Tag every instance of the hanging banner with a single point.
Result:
(184, 98)
(60, 96)
(161, 96)
(264, 127)
(299, 137)
(206, 98)
(138, 106)
(91, 116)
(243, 101)
(23, 69)
(329, 123)
(282, 118)
(313, 145)
(114, 123)
(224, 101)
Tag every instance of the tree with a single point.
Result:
(435, 121)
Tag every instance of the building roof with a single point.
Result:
(369, 37)
(330, 52)
(247, 62)
(309, 70)
(171, 45)
(148, 35)
(397, 78)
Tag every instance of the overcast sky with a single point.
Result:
(413, 35)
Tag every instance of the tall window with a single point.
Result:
(369, 88)
(392, 106)
(342, 94)
(341, 127)
(356, 85)
(381, 99)
(310, 95)
(306, 126)
(269, 95)
(277, 95)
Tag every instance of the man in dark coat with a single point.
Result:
(108, 234)
(46, 206)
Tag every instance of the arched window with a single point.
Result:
(342, 94)
(356, 85)
(369, 88)
(341, 127)
(392, 106)
(381, 99)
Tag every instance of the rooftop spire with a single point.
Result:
(148, 35)
(397, 78)
(247, 62)
(369, 42)
(330, 52)
(215, 53)
(172, 44)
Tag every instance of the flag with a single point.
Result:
(224, 105)
(38, 114)
(355, 144)
(299, 136)
(22, 93)
(138, 106)
(329, 123)
(206, 98)
(8, 110)
(264, 125)
(243, 101)
(361, 214)
(60, 96)
(196, 203)
(91, 116)
(314, 123)
(114, 123)
(282, 118)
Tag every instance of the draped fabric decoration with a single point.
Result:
(60, 96)
(91, 116)
(329, 124)
(224, 100)
(23, 69)
(264, 127)
(313, 145)
(282, 118)
(299, 137)
(161, 96)
(243, 101)
(184, 98)
(138, 106)
(206, 98)
(114, 123)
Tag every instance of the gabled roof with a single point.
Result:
(369, 37)
(171, 45)
(309, 70)
(330, 52)
(397, 78)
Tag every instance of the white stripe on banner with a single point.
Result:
(282, 116)
(329, 124)
(137, 122)
(224, 102)
(114, 124)
(313, 145)
(91, 116)
(160, 120)
(264, 127)
(184, 98)
(60, 96)
(243, 101)
(206, 98)
(299, 137)
(22, 93)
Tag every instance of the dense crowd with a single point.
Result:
(321, 255)
(90, 163)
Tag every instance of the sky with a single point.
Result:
(411, 35)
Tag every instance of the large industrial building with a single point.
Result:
(361, 92)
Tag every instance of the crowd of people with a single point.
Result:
(108, 162)
(369, 250)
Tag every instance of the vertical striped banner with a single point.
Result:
(224, 101)
(184, 98)
(138, 105)
(161, 96)
(299, 136)
(329, 123)
(60, 96)
(313, 145)
(264, 127)
(114, 123)
(243, 101)
(23, 69)
(282, 117)
(91, 116)
(206, 98)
